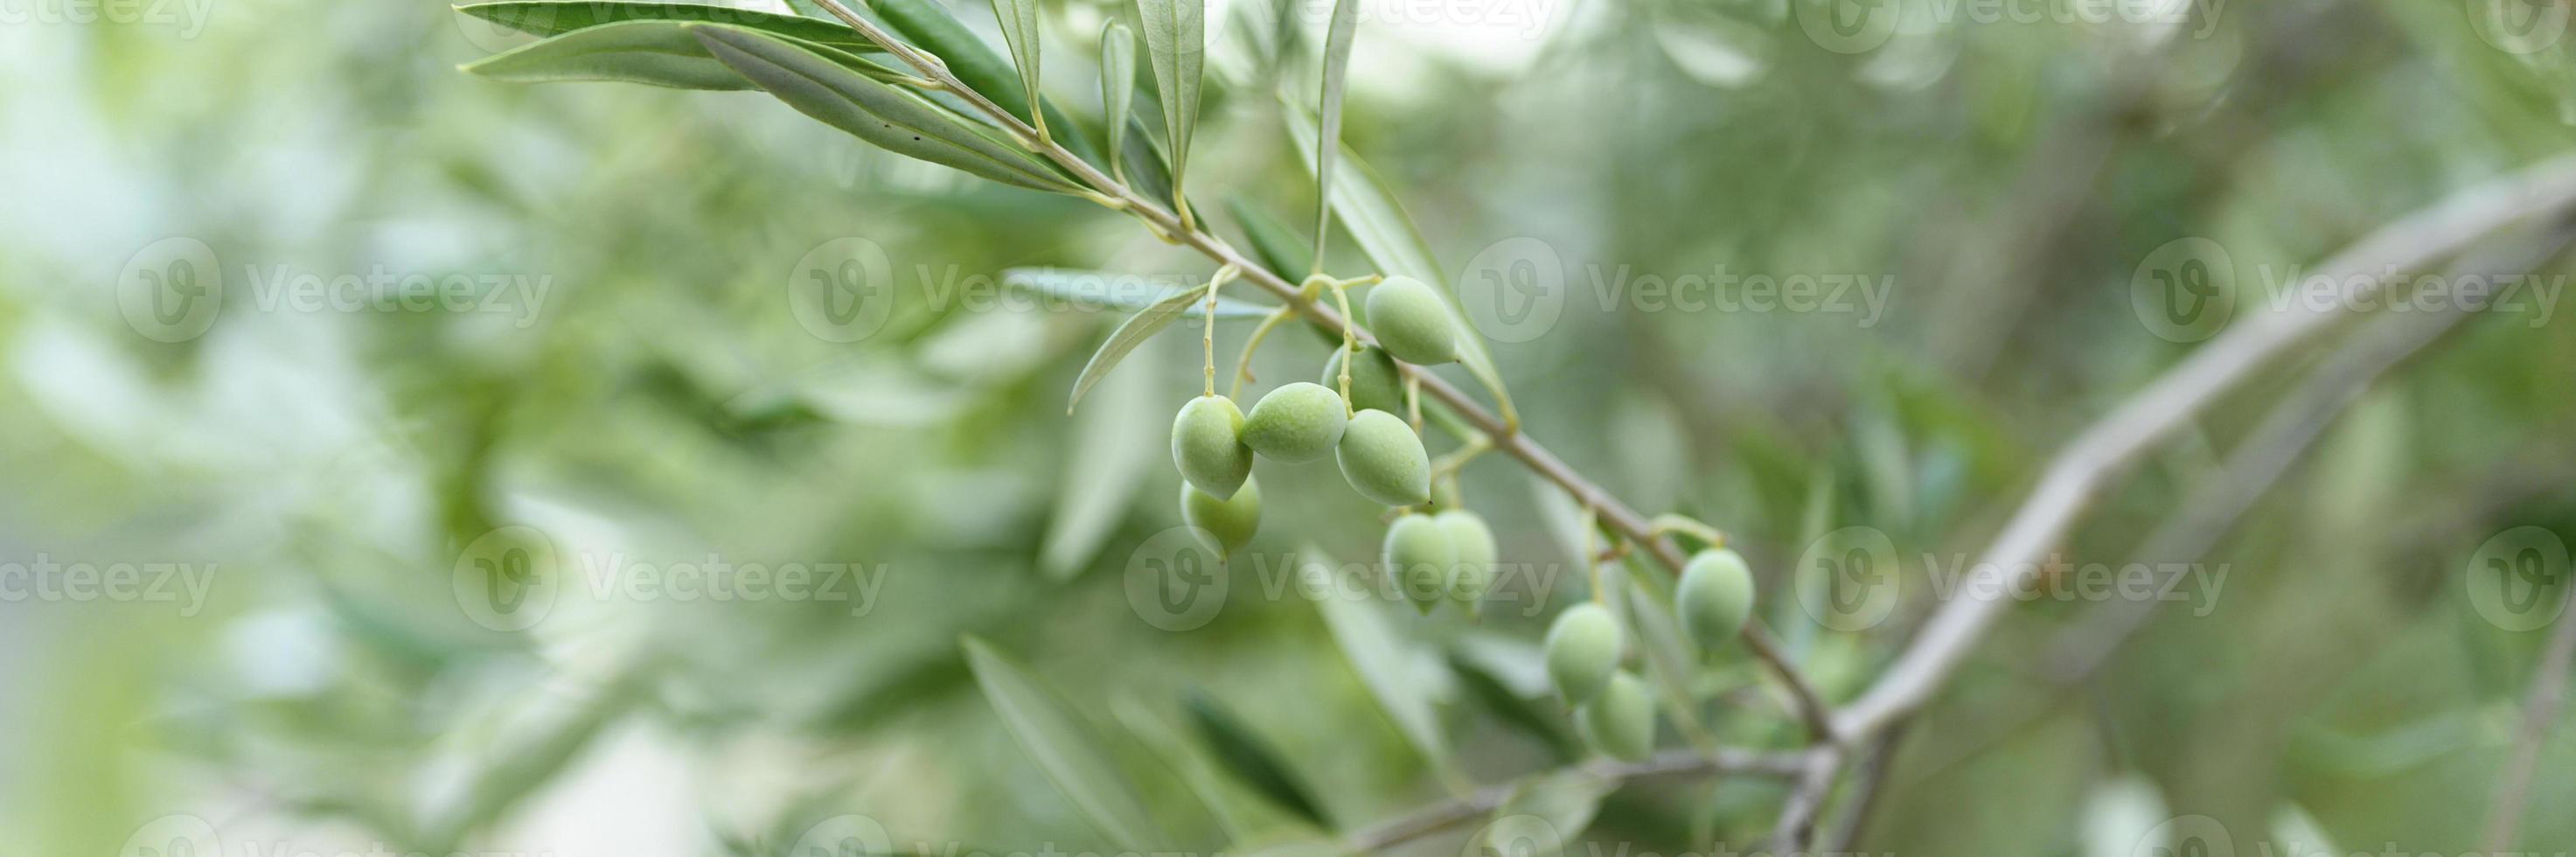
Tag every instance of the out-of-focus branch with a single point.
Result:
(2081, 470)
(2539, 709)
(1427, 820)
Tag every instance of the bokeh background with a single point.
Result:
(309, 497)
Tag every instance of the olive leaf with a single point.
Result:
(973, 63)
(1063, 748)
(1252, 759)
(1117, 88)
(556, 17)
(1105, 290)
(1407, 681)
(1111, 448)
(1273, 242)
(1237, 814)
(1374, 219)
(810, 9)
(1131, 333)
(1543, 814)
(1337, 64)
(1176, 47)
(1019, 19)
(655, 53)
(879, 113)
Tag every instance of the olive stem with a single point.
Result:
(1685, 525)
(1243, 363)
(1208, 338)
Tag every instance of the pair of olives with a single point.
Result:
(1449, 555)
(1714, 600)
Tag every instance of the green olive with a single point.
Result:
(1582, 651)
(1375, 383)
(1418, 557)
(1231, 521)
(1384, 459)
(1476, 553)
(1715, 598)
(1411, 321)
(1207, 444)
(1296, 423)
(1620, 722)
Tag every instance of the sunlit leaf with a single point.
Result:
(555, 17)
(1063, 748)
(1133, 332)
(1176, 48)
(871, 110)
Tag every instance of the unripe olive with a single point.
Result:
(1375, 383)
(1715, 598)
(1384, 459)
(1207, 444)
(1296, 423)
(1621, 721)
(1475, 570)
(1418, 557)
(1232, 521)
(1411, 321)
(1582, 651)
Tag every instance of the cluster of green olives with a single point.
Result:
(1429, 557)
(1611, 705)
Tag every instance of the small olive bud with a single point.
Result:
(1476, 553)
(1621, 721)
(1207, 444)
(1411, 321)
(1296, 423)
(1418, 559)
(1375, 383)
(1384, 459)
(1582, 651)
(1715, 598)
(1231, 521)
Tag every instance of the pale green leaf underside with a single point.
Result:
(1131, 333)
(1019, 19)
(1117, 86)
(555, 17)
(1063, 748)
(1176, 47)
(1128, 292)
(879, 113)
(655, 53)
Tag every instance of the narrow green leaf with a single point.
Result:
(1112, 446)
(975, 64)
(891, 118)
(1337, 62)
(1019, 19)
(1374, 219)
(1117, 88)
(810, 9)
(1128, 292)
(1237, 813)
(655, 53)
(1176, 48)
(1063, 748)
(1130, 334)
(1538, 717)
(1408, 681)
(1252, 759)
(1543, 814)
(1276, 244)
(555, 17)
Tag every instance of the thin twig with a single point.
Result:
(2539, 710)
(1796, 830)
(1812, 708)
(1427, 820)
(2082, 469)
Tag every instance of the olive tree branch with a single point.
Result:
(1426, 820)
(2539, 709)
(2087, 464)
(1506, 437)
